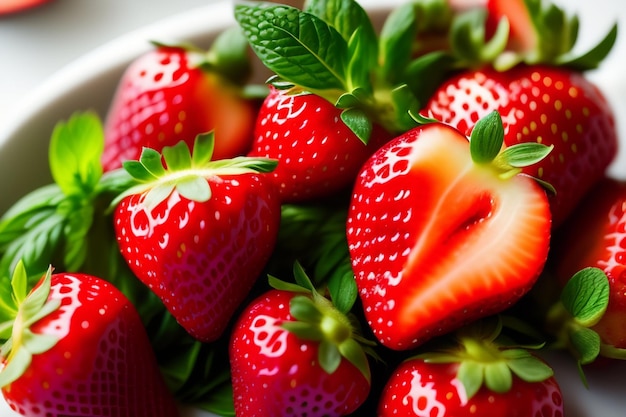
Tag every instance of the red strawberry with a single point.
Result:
(442, 231)
(175, 93)
(478, 378)
(595, 236)
(78, 347)
(292, 353)
(317, 153)
(549, 105)
(14, 6)
(199, 233)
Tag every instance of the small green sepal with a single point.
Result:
(21, 344)
(177, 168)
(315, 318)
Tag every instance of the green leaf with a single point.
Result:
(586, 296)
(354, 353)
(302, 308)
(358, 122)
(74, 154)
(346, 16)
(15, 367)
(329, 356)
(137, 170)
(525, 154)
(343, 289)
(471, 376)
(396, 42)
(301, 277)
(592, 58)
(152, 163)
(361, 62)
(177, 157)
(19, 283)
(157, 195)
(195, 189)
(586, 344)
(203, 148)
(487, 138)
(498, 377)
(297, 46)
(529, 368)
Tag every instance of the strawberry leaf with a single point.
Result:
(329, 356)
(586, 296)
(296, 45)
(498, 377)
(397, 38)
(356, 28)
(471, 376)
(228, 56)
(527, 367)
(525, 154)
(177, 157)
(586, 343)
(592, 58)
(358, 122)
(74, 154)
(487, 138)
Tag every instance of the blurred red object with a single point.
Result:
(14, 6)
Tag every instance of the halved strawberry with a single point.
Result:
(442, 231)
(76, 346)
(198, 232)
(554, 106)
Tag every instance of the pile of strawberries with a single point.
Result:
(400, 220)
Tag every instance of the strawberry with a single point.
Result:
(525, 69)
(174, 93)
(293, 353)
(318, 153)
(76, 346)
(549, 105)
(16, 6)
(442, 231)
(476, 377)
(594, 237)
(198, 232)
(336, 83)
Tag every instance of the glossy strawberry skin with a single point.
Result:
(595, 236)
(417, 388)
(202, 259)
(436, 243)
(103, 363)
(317, 153)
(275, 373)
(163, 98)
(553, 106)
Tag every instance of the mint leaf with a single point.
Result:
(355, 26)
(74, 154)
(297, 46)
(358, 122)
(586, 296)
(397, 38)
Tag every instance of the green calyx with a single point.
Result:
(555, 35)
(227, 56)
(486, 148)
(582, 304)
(315, 318)
(178, 169)
(20, 343)
(486, 360)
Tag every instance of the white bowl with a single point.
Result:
(89, 83)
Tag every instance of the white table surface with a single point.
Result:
(39, 42)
